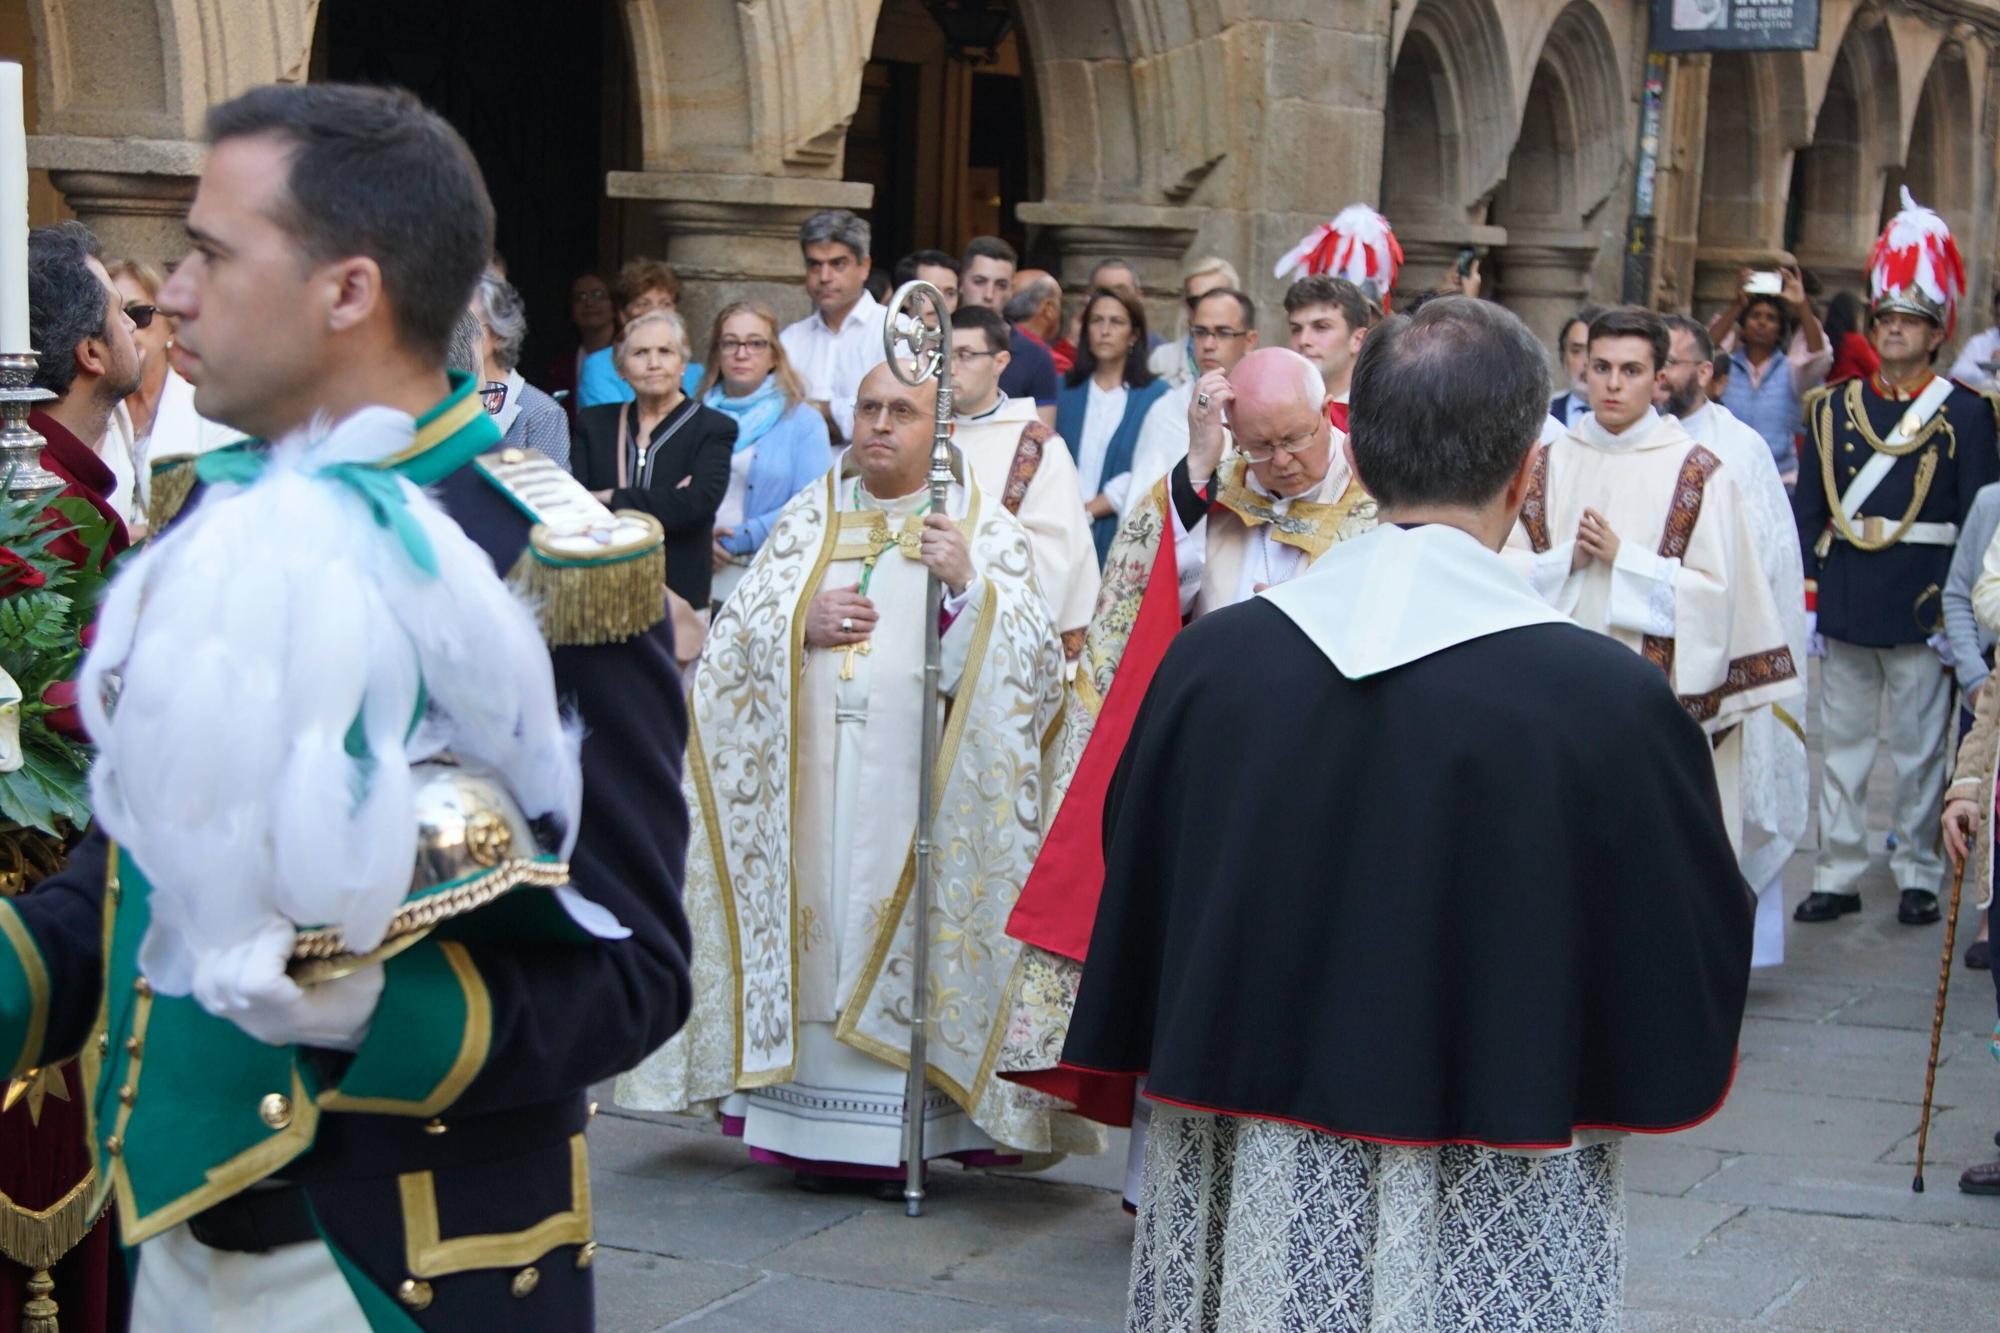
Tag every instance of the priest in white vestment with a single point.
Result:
(1222, 329)
(802, 766)
(1636, 531)
(1775, 774)
(1231, 527)
(1017, 460)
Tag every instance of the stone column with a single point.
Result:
(133, 193)
(735, 237)
(1543, 276)
(1153, 240)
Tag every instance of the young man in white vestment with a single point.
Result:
(1019, 461)
(1774, 740)
(1634, 529)
(802, 766)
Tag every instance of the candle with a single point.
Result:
(13, 212)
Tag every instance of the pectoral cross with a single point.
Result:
(847, 662)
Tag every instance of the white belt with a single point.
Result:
(1875, 528)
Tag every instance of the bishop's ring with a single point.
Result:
(847, 624)
(1201, 400)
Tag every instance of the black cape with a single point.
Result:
(1485, 897)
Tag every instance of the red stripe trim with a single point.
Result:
(1432, 1143)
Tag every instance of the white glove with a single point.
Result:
(246, 985)
(1815, 644)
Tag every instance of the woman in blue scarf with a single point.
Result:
(1102, 402)
(781, 442)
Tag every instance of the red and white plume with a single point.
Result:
(1916, 250)
(1357, 245)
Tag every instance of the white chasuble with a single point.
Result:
(1687, 590)
(1041, 487)
(801, 775)
(1775, 781)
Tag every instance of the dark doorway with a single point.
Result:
(541, 93)
(950, 144)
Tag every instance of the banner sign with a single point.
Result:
(1735, 25)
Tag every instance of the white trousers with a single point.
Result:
(1856, 684)
(185, 1287)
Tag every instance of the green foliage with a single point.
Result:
(40, 645)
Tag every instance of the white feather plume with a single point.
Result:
(237, 652)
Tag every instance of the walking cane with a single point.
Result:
(1937, 1015)
(929, 348)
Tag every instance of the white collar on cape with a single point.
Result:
(1394, 595)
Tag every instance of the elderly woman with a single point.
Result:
(527, 417)
(643, 287)
(1102, 401)
(663, 452)
(781, 442)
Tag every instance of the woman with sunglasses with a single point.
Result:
(781, 442)
(158, 419)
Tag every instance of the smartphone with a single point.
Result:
(1765, 283)
(1467, 257)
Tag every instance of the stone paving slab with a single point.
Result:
(781, 1303)
(1790, 1210)
(637, 1292)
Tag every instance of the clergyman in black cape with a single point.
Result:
(1405, 954)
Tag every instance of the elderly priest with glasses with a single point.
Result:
(1500, 974)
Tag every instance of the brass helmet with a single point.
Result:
(474, 846)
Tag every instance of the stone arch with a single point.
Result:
(1451, 114)
(1938, 165)
(1838, 179)
(1563, 167)
(1566, 155)
(1757, 120)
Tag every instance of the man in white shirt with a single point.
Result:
(1329, 318)
(1981, 350)
(832, 348)
(1222, 328)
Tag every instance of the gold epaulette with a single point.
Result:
(172, 482)
(1811, 398)
(594, 576)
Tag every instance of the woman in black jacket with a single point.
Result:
(663, 452)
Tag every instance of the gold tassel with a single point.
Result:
(38, 1315)
(38, 1238)
(580, 605)
(173, 481)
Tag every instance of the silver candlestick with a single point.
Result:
(20, 443)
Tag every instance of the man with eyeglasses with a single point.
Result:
(1633, 529)
(808, 699)
(1222, 330)
(1775, 776)
(1214, 533)
(1018, 459)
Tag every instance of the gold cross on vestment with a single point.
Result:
(848, 655)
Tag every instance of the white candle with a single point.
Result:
(13, 212)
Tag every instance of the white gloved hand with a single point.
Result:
(1815, 645)
(247, 986)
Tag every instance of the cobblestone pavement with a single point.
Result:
(1792, 1209)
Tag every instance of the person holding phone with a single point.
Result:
(1778, 352)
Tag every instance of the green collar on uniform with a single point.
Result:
(448, 437)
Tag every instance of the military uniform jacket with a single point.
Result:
(1893, 595)
(445, 1158)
